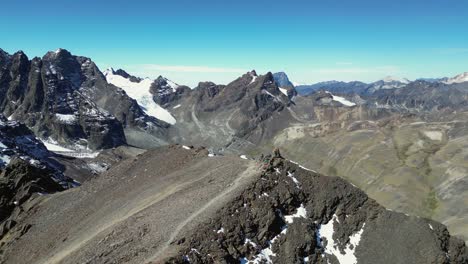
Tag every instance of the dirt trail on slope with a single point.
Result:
(132, 213)
(215, 202)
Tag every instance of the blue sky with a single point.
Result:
(192, 41)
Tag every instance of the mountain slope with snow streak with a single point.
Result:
(140, 91)
(341, 100)
(463, 77)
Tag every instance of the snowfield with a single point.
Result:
(284, 91)
(141, 93)
(341, 100)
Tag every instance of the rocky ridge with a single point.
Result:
(291, 214)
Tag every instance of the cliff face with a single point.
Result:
(67, 98)
(26, 171)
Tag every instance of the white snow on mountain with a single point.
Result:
(389, 82)
(341, 100)
(457, 79)
(172, 84)
(326, 231)
(66, 119)
(395, 79)
(54, 146)
(140, 91)
(301, 212)
(284, 91)
(254, 77)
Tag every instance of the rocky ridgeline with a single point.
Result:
(294, 215)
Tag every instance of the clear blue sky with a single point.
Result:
(190, 41)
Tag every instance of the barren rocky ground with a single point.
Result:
(132, 212)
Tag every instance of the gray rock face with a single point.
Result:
(226, 116)
(165, 91)
(126, 75)
(67, 98)
(26, 169)
(283, 81)
(292, 215)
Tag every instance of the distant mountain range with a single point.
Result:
(357, 87)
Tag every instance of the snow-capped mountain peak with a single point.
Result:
(389, 79)
(463, 77)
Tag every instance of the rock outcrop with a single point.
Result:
(26, 170)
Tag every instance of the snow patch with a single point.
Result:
(175, 107)
(5, 159)
(254, 78)
(2, 145)
(66, 119)
(302, 167)
(291, 175)
(265, 254)
(219, 231)
(52, 145)
(284, 91)
(301, 212)
(341, 100)
(185, 147)
(243, 157)
(249, 242)
(326, 231)
(270, 94)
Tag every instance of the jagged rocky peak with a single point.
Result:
(162, 85)
(165, 91)
(291, 214)
(3, 53)
(284, 84)
(122, 73)
(55, 96)
(250, 77)
(282, 79)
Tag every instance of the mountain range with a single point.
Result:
(124, 144)
(389, 82)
